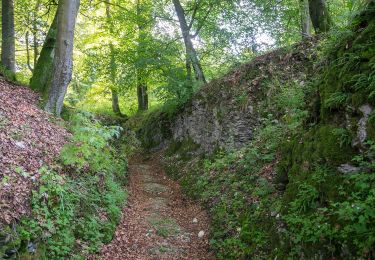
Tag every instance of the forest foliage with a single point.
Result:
(287, 193)
(303, 187)
(122, 49)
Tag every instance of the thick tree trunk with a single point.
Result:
(191, 53)
(320, 16)
(113, 66)
(63, 62)
(8, 51)
(43, 67)
(306, 26)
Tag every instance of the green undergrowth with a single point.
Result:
(16, 78)
(284, 195)
(78, 202)
(237, 185)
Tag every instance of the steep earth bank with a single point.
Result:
(302, 185)
(226, 112)
(61, 181)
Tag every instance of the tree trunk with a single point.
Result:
(8, 51)
(63, 62)
(320, 16)
(188, 69)
(28, 51)
(306, 25)
(142, 96)
(43, 68)
(35, 32)
(113, 65)
(141, 70)
(115, 103)
(191, 53)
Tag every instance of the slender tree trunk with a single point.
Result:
(191, 52)
(115, 100)
(306, 26)
(35, 47)
(28, 51)
(320, 16)
(63, 62)
(35, 32)
(142, 91)
(142, 96)
(115, 103)
(113, 65)
(43, 67)
(189, 77)
(8, 51)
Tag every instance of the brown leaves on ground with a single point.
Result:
(158, 222)
(28, 140)
(282, 64)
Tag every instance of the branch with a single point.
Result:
(166, 18)
(202, 22)
(196, 7)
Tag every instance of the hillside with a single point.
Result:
(226, 112)
(281, 151)
(29, 138)
(50, 191)
(187, 129)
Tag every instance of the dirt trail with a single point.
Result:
(158, 222)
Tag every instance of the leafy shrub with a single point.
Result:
(89, 143)
(74, 213)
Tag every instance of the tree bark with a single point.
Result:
(306, 26)
(63, 62)
(142, 96)
(189, 77)
(113, 66)
(43, 67)
(8, 51)
(35, 32)
(320, 16)
(28, 51)
(190, 51)
(142, 91)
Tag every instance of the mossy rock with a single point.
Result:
(9, 240)
(371, 127)
(348, 78)
(319, 145)
(156, 128)
(184, 148)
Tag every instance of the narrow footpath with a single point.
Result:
(158, 222)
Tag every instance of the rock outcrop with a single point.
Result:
(225, 112)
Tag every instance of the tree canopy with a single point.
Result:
(156, 50)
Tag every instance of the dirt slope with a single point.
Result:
(29, 139)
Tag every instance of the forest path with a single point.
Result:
(158, 222)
